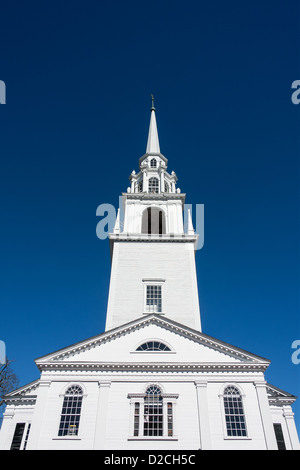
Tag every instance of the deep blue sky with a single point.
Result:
(79, 77)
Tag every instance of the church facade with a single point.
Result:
(152, 380)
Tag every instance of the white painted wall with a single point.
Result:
(117, 428)
(172, 262)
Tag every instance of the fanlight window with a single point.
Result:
(153, 346)
(71, 410)
(234, 412)
(153, 185)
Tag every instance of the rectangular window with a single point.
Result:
(18, 435)
(70, 416)
(153, 419)
(153, 299)
(27, 434)
(170, 420)
(136, 419)
(234, 416)
(279, 436)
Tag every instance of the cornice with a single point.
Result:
(152, 366)
(140, 237)
(155, 196)
(20, 399)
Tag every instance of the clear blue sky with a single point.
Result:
(79, 77)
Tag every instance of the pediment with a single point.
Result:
(26, 393)
(277, 396)
(116, 349)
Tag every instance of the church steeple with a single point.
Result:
(151, 246)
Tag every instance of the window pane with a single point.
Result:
(18, 435)
(153, 346)
(170, 419)
(153, 299)
(136, 419)
(279, 436)
(153, 185)
(234, 412)
(153, 412)
(70, 414)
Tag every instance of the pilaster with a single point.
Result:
(265, 414)
(203, 415)
(38, 415)
(101, 417)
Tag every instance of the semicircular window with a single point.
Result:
(153, 346)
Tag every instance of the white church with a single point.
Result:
(152, 380)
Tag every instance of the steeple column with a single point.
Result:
(145, 182)
(162, 182)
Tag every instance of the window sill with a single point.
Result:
(156, 313)
(153, 352)
(237, 438)
(152, 438)
(64, 438)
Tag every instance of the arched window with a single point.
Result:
(153, 221)
(153, 185)
(234, 412)
(153, 346)
(70, 413)
(153, 163)
(153, 412)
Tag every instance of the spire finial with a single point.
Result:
(153, 142)
(152, 107)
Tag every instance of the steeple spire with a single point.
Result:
(153, 142)
(152, 107)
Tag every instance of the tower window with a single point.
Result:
(140, 187)
(153, 299)
(153, 185)
(153, 163)
(153, 221)
(71, 410)
(234, 412)
(167, 187)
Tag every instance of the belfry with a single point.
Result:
(152, 380)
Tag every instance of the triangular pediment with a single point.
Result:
(117, 348)
(277, 396)
(26, 393)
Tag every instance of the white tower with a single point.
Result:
(153, 258)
